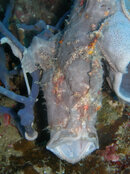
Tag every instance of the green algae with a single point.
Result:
(123, 138)
(111, 110)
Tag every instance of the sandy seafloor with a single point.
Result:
(19, 156)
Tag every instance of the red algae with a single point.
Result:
(110, 153)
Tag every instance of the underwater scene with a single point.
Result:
(64, 86)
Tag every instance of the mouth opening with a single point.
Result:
(73, 149)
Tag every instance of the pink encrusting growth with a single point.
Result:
(7, 119)
(110, 153)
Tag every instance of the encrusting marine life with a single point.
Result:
(73, 73)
